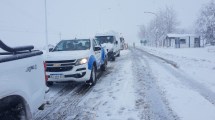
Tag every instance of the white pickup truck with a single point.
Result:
(75, 60)
(110, 43)
(22, 82)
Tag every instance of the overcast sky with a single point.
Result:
(22, 21)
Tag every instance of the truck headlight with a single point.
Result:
(81, 61)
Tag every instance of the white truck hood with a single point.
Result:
(67, 55)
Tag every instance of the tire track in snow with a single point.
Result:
(172, 63)
(62, 105)
(99, 107)
(72, 110)
(55, 101)
(89, 112)
(151, 100)
(185, 79)
(70, 105)
(65, 102)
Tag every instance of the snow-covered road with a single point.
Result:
(137, 86)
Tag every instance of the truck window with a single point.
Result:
(95, 43)
(105, 39)
(70, 45)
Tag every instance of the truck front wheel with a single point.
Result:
(104, 66)
(113, 58)
(118, 55)
(13, 108)
(93, 77)
(49, 83)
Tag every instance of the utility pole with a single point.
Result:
(46, 28)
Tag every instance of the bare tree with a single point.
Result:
(205, 24)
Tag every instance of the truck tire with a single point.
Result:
(118, 55)
(104, 66)
(93, 77)
(113, 58)
(14, 110)
(49, 83)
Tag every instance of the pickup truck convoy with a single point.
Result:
(75, 60)
(22, 82)
(111, 44)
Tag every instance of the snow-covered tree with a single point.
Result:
(165, 22)
(205, 24)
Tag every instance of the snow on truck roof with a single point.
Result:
(108, 34)
(104, 35)
(182, 35)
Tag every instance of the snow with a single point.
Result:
(108, 46)
(195, 62)
(115, 97)
(108, 33)
(181, 35)
(187, 103)
(190, 89)
(67, 55)
(203, 54)
(139, 86)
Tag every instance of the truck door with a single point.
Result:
(97, 53)
(116, 45)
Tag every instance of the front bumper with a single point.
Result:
(79, 73)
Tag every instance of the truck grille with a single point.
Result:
(60, 66)
(58, 69)
(62, 61)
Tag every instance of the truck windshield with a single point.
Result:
(104, 39)
(71, 45)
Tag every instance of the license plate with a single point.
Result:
(56, 76)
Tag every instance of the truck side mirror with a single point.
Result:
(97, 48)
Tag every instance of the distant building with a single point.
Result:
(182, 41)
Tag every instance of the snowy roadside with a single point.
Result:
(198, 63)
(192, 97)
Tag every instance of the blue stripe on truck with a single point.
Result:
(103, 55)
(92, 59)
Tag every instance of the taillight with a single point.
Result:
(46, 76)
